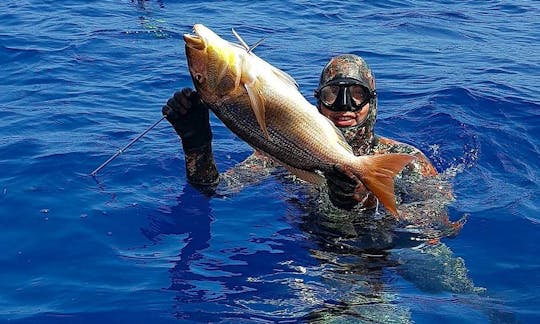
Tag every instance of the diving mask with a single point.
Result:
(344, 94)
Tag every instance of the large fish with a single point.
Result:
(262, 105)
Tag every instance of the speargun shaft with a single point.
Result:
(120, 151)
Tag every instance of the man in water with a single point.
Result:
(346, 96)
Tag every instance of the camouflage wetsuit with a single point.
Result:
(342, 233)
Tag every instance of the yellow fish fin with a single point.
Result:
(257, 104)
(377, 172)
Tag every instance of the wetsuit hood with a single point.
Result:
(352, 66)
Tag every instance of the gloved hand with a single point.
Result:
(190, 118)
(342, 188)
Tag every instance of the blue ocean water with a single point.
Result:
(80, 79)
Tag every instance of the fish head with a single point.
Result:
(214, 64)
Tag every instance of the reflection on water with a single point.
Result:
(328, 265)
(79, 80)
(366, 252)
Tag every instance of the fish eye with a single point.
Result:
(198, 77)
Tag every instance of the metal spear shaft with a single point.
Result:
(120, 151)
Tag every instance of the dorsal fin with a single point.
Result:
(284, 76)
(252, 47)
(248, 48)
(244, 44)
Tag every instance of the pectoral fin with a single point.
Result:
(257, 104)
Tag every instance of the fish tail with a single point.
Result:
(377, 172)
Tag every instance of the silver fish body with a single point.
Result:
(262, 105)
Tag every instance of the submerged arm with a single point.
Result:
(251, 171)
(424, 195)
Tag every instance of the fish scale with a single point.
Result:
(245, 127)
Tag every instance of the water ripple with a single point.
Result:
(81, 79)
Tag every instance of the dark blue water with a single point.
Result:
(80, 79)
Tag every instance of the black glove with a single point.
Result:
(341, 188)
(190, 118)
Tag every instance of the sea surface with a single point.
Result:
(137, 244)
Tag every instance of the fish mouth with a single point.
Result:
(194, 40)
